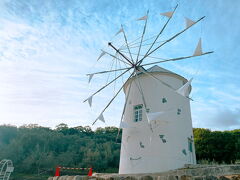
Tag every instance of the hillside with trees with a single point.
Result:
(36, 150)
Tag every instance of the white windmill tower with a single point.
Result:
(156, 120)
(160, 139)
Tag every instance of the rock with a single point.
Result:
(161, 178)
(223, 178)
(62, 177)
(70, 177)
(198, 178)
(185, 177)
(146, 178)
(237, 177)
(211, 178)
(80, 178)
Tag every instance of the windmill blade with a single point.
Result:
(90, 77)
(118, 51)
(198, 50)
(134, 43)
(125, 38)
(168, 14)
(107, 84)
(189, 22)
(117, 58)
(140, 89)
(143, 98)
(102, 72)
(112, 99)
(176, 59)
(165, 25)
(173, 37)
(184, 90)
(101, 118)
(132, 47)
(154, 116)
(153, 57)
(143, 18)
(124, 125)
(125, 104)
(121, 30)
(144, 29)
(101, 55)
(90, 101)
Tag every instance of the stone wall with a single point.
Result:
(190, 172)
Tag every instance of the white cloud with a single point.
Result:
(46, 50)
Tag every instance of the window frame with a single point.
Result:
(138, 113)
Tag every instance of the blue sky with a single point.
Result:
(47, 47)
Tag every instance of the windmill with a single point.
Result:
(156, 118)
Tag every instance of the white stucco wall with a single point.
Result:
(156, 156)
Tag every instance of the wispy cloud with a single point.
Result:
(47, 47)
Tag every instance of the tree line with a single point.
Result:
(33, 148)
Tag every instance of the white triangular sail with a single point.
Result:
(124, 125)
(189, 22)
(198, 50)
(161, 116)
(90, 101)
(90, 77)
(184, 90)
(142, 18)
(121, 30)
(101, 118)
(150, 139)
(167, 14)
(101, 55)
(154, 116)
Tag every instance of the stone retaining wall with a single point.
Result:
(190, 172)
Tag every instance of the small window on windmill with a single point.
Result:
(164, 100)
(179, 111)
(138, 113)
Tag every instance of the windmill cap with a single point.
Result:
(158, 69)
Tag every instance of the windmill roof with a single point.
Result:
(157, 68)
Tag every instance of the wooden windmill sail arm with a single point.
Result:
(126, 41)
(125, 104)
(144, 30)
(107, 84)
(117, 58)
(113, 98)
(177, 59)
(173, 37)
(140, 90)
(118, 51)
(143, 98)
(102, 72)
(137, 46)
(165, 25)
(153, 57)
(133, 44)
